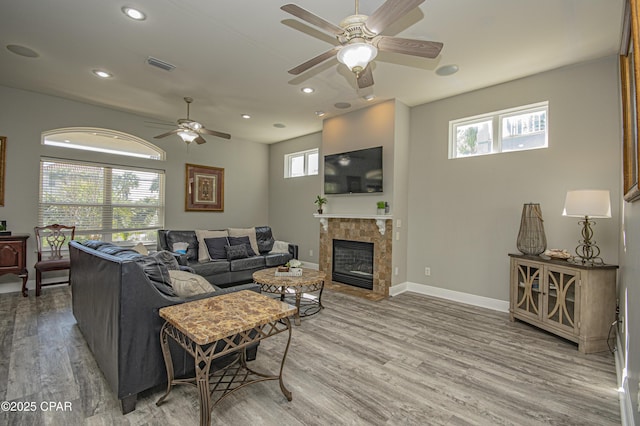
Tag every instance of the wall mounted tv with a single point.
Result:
(353, 172)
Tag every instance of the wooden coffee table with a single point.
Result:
(211, 328)
(294, 289)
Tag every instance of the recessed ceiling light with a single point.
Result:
(342, 105)
(22, 51)
(102, 73)
(446, 70)
(245, 116)
(308, 90)
(134, 13)
(279, 125)
(320, 113)
(369, 97)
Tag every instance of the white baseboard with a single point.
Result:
(456, 296)
(626, 407)
(310, 265)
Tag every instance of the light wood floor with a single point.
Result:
(406, 360)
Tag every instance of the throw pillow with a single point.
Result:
(239, 241)
(180, 247)
(203, 252)
(216, 247)
(157, 273)
(249, 232)
(167, 258)
(280, 247)
(140, 248)
(236, 252)
(186, 284)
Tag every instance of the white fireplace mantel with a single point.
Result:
(380, 219)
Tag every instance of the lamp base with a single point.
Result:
(588, 253)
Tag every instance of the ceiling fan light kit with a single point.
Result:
(187, 136)
(360, 40)
(190, 130)
(357, 56)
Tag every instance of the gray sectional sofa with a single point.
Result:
(225, 271)
(116, 295)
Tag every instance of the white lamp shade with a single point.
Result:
(357, 55)
(587, 203)
(187, 135)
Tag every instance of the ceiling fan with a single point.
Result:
(190, 130)
(359, 39)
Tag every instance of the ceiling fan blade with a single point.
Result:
(199, 140)
(164, 135)
(365, 78)
(408, 46)
(389, 12)
(314, 61)
(305, 15)
(214, 133)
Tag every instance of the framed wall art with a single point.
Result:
(204, 188)
(629, 76)
(3, 153)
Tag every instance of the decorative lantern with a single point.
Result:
(531, 238)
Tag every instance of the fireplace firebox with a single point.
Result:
(353, 263)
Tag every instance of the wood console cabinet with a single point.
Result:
(13, 257)
(573, 301)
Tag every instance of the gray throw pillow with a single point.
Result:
(236, 252)
(216, 247)
(167, 259)
(157, 272)
(238, 241)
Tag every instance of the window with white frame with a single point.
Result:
(303, 163)
(104, 202)
(514, 129)
(119, 203)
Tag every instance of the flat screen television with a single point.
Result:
(353, 172)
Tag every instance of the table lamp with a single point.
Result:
(588, 204)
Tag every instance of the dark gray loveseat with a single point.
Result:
(226, 273)
(116, 306)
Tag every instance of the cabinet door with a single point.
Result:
(562, 290)
(528, 291)
(10, 256)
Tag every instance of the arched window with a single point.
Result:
(102, 140)
(104, 201)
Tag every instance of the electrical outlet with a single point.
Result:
(396, 271)
(311, 252)
(427, 271)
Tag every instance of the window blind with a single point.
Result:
(105, 202)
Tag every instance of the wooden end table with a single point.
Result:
(13, 258)
(310, 281)
(211, 328)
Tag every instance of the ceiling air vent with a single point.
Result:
(160, 64)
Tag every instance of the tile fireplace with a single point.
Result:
(376, 232)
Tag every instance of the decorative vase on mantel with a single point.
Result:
(531, 237)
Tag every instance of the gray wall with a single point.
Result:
(464, 214)
(400, 201)
(364, 128)
(25, 115)
(629, 295)
(291, 206)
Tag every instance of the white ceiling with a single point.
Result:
(232, 57)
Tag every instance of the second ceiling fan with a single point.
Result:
(359, 39)
(191, 131)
